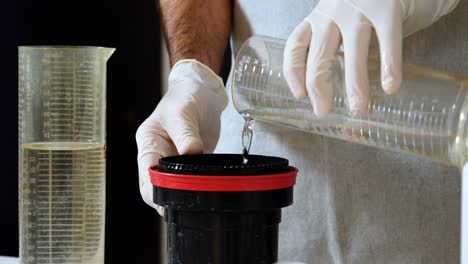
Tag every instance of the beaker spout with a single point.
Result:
(107, 53)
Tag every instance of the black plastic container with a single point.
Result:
(220, 211)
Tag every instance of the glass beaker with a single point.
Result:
(61, 137)
(426, 117)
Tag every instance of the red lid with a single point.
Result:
(223, 183)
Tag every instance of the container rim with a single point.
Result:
(223, 183)
(63, 47)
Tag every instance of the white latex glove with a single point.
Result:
(312, 46)
(186, 120)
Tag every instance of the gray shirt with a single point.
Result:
(352, 203)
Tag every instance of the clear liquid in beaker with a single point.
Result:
(422, 142)
(62, 194)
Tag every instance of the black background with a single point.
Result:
(133, 86)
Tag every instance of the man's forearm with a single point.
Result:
(197, 29)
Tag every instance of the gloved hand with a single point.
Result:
(186, 120)
(312, 46)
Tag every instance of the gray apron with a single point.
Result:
(352, 203)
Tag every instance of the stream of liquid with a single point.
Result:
(247, 135)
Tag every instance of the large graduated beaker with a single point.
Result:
(427, 117)
(62, 142)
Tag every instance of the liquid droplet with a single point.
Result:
(245, 157)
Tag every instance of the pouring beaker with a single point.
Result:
(427, 117)
(61, 137)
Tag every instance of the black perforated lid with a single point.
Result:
(223, 164)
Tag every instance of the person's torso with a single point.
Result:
(357, 204)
